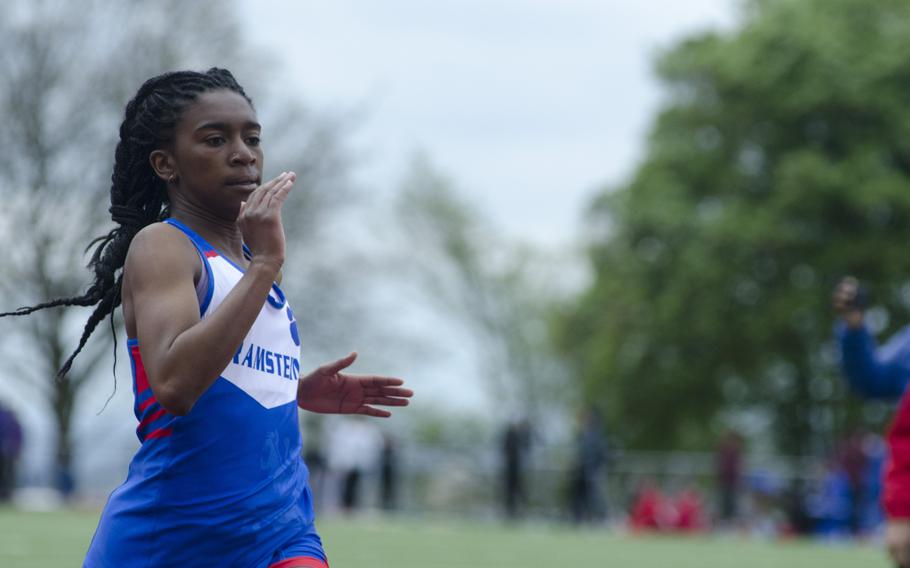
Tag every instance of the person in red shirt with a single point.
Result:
(728, 468)
(690, 511)
(651, 511)
(880, 372)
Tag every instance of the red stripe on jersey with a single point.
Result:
(147, 403)
(210, 253)
(151, 418)
(159, 433)
(142, 380)
(300, 562)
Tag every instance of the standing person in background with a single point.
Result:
(853, 460)
(880, 372)
(586, 502)
(354, 450)
(314, 458)
(10, 449)
(388, 474)
(515, 440)
(729, 475)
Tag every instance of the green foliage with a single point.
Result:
(779, 164)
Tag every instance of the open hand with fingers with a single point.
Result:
(327, 390)
(260, 219)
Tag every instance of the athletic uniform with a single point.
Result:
(223, 485)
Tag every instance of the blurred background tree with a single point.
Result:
(779, 163)
(66, 72)
(501, 293)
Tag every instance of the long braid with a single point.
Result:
(138, 195)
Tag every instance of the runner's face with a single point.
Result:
(216, 152)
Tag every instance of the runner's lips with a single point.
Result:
(249, 182)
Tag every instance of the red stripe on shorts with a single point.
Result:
(300, 562)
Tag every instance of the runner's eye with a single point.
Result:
(215, 141)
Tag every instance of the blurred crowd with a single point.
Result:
(835, 497)
(839, 499)
(356, 466)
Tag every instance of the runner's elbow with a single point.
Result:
(174, 400)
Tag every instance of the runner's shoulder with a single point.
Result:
(162, 247)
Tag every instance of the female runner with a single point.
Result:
(215, 350)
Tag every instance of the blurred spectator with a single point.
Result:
(880, 373)
(650, 510)
(852, 458)
(515, 442)
(66, 481)
(388, 474)
(729, 475)
(10, 450)
(690, 512)
(871, 513)
(653, 511)
(316, 462)
(350, 491)
(765, 518)
(586, 502)
(830, 506)
(354, 450)
(794, 505)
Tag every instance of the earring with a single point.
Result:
(172, 178)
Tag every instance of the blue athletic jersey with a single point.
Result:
(223, 485)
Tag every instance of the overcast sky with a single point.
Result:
(530, 105)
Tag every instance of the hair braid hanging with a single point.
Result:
(137, 195)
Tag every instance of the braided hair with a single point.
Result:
(138, 195)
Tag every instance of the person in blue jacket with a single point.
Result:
(871, 370)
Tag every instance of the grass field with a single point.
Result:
(33, 540)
